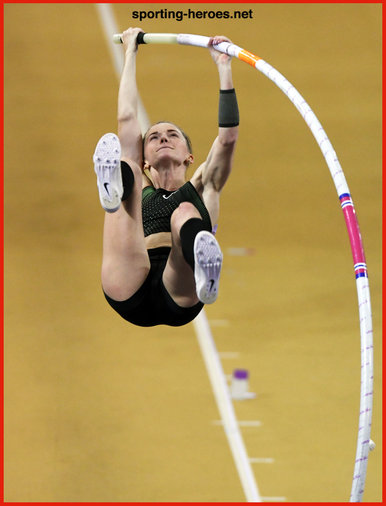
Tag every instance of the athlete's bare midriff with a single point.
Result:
(159, 240)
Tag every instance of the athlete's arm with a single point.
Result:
(214, 172)
(129, 131)
(211, 176)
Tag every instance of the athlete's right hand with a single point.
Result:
(129, 39)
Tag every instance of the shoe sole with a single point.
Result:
(107, 158)
(208, 261)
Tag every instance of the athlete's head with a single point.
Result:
(166, 140)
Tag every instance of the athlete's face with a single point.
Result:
(165, 142)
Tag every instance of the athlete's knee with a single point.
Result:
(184, 212)
(120, 282)
(111, 284)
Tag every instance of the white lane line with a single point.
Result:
(106, 17)
(109, 26)
(225, 407)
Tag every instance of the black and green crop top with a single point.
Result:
(159, 204)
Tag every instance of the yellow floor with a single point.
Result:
(99, 410)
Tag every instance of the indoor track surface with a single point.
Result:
(99, 410)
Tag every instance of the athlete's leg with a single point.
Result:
(178, 276)
(193, 268)
(125, 263)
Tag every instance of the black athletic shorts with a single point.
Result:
(151, 304)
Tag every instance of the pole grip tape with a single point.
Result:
(117, 38)
(140, 37)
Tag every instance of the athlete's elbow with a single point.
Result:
(126, 116)
(228, 136)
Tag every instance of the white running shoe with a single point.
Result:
(107, 166)
(207, 266)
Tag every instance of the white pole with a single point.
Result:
(364, 442)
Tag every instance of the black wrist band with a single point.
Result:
(228, 110)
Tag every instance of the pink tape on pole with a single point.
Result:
(354, 234)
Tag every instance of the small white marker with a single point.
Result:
(219, 323)
(241, 423)
(261, 460)
(229, 354)
(239, 385)
(240, 252)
